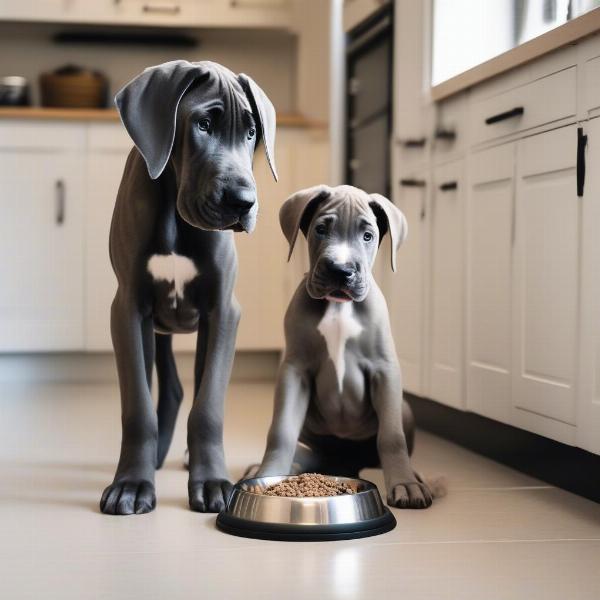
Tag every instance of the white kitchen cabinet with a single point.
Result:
(164, 13)
(108, 148)
(490, 227)
(260, 287)
(412, 109)
(446, 289)
(41, 237)
(588, 406)
(406, 294)
(546, 284)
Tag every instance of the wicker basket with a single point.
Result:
(71, 87)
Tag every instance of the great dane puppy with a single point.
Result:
(338, 400)
(187, 186)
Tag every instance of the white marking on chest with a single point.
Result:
(337, 326)
(177, 270)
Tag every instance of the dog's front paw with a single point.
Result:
(410, 495)
(209, 495)
(128, 497)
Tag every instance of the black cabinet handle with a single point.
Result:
(581, 144)
(420, 183)
(448, 135)
(413, 142)
(60, 201)
(509, 114)
(448, 186)
(164, 9)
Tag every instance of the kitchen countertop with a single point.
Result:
(569, 33)
(110, 115)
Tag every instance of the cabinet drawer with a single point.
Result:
(545, 100)
(24, 135)
(150, 12)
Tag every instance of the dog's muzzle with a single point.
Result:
(336, 282)
(232, 210)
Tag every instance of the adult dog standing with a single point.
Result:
(338, 401)
(187, 186)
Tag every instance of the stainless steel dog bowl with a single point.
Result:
(251, 514)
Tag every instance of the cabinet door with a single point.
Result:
(446, 338)
(109, 146)
(588, 414)
(546, 284)
(41, 242)
(262, 255)
(406, 297)
(490, 226)
(412, 111)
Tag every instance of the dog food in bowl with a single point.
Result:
(308, 485)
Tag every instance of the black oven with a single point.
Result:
(369, 55)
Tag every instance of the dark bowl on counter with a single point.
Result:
(74, 87)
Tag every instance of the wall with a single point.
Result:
(268, 56)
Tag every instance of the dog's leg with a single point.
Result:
(291, 403)
(404, 488)
(209, 485)
(170, 395)
(132, 490)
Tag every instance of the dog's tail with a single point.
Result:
(170, 395)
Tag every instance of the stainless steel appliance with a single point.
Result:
(14, 91)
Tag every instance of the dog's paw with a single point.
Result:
(410, 495)
(251, 472)
(128, 497)
(209, 495)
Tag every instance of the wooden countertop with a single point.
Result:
(110, 114)
(563, 35)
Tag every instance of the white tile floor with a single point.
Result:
(497, 534)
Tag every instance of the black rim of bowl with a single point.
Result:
(305, 533)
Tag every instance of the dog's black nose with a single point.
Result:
(240, 201)
(342, 272)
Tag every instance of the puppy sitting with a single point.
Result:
(338, 401)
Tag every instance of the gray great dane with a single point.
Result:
(187, 186)
(338, 399)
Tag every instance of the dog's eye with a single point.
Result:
(251, 133)
(204, 124)
(321, 229)
(367, 236)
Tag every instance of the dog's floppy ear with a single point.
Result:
(296, 212)
(264, 114)
(390, 219)
(148, 108)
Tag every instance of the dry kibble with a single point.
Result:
(308, 485)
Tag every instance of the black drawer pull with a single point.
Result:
(60, 191)
(447, 135)
(166, 9)
(581, 144)
(448, 186)
(413, 142)
(420, 183)
(509, 114)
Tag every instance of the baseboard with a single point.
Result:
(99, 367)
(567, 467)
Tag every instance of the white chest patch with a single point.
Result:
(177, 270)
(337, 326)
